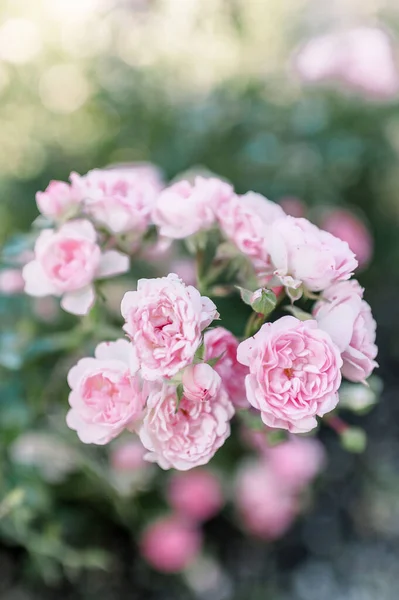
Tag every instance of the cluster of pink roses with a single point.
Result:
(174, 381)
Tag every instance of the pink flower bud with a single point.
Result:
(196, 495)
(11, 282)
(200, 382)
(170, 544)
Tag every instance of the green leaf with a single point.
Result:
(179, 395)
(213, 361)
(276, 436)
(246, 295)
(354, 439)
(200, 353)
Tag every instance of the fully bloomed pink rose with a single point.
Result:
(303, 254)
(196, 495)
(347, 318)
(245, 220)
(188, 437)
(170, 544)
(107, 395)
(66, 263)
(348, 227)
(200, 382)
(164, 319)
(183, 209)
(120, 199)
(294, 373)
(220, 342)
(266, 508)
(58, 200)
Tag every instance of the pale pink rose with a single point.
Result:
(58, 200)
(170, 544)
(266, 508)
(303, 254)
(188, 437)
(200, 382)
(348, 320)
(184, 209)
(120, 199)
(220, 342)
(296, 462)
(348, 227)
(292, 206)
(360, 59)
(245, 220)
(294, 373)
(128, 455)
(107, 396)
(11, 282)
(66, 263)
(164, 319)
(196, 495)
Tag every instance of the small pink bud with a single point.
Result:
(170, 544)
(200, 382)
(196, 494)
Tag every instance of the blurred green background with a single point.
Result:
(182, 83)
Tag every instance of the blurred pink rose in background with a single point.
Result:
(266, 508)
(293, 206)
(297, 461)
(361, 58)
(170, 544)
(128, 455)
(196, 495)
(185, 269)
(11, 282)
(351, 229)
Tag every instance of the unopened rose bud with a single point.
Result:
(200, 382)
(263, 301)
(354, 439)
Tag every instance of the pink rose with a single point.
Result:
(58, 200)
(183, 209)
(303, 254)
(348, 320)
(361, 59)
(196, 495)
(294, 373)
(221, 342)
(11, 282)
(348, 227)
(164, 319)
(245, 220)
(66, 263)
(106, 397)
(128, 455)
(266, 508)
(188, 437)
(292, 206)
(200, 382)
(170, 544)
(296, 462)
(185, 269)
(120, 199)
